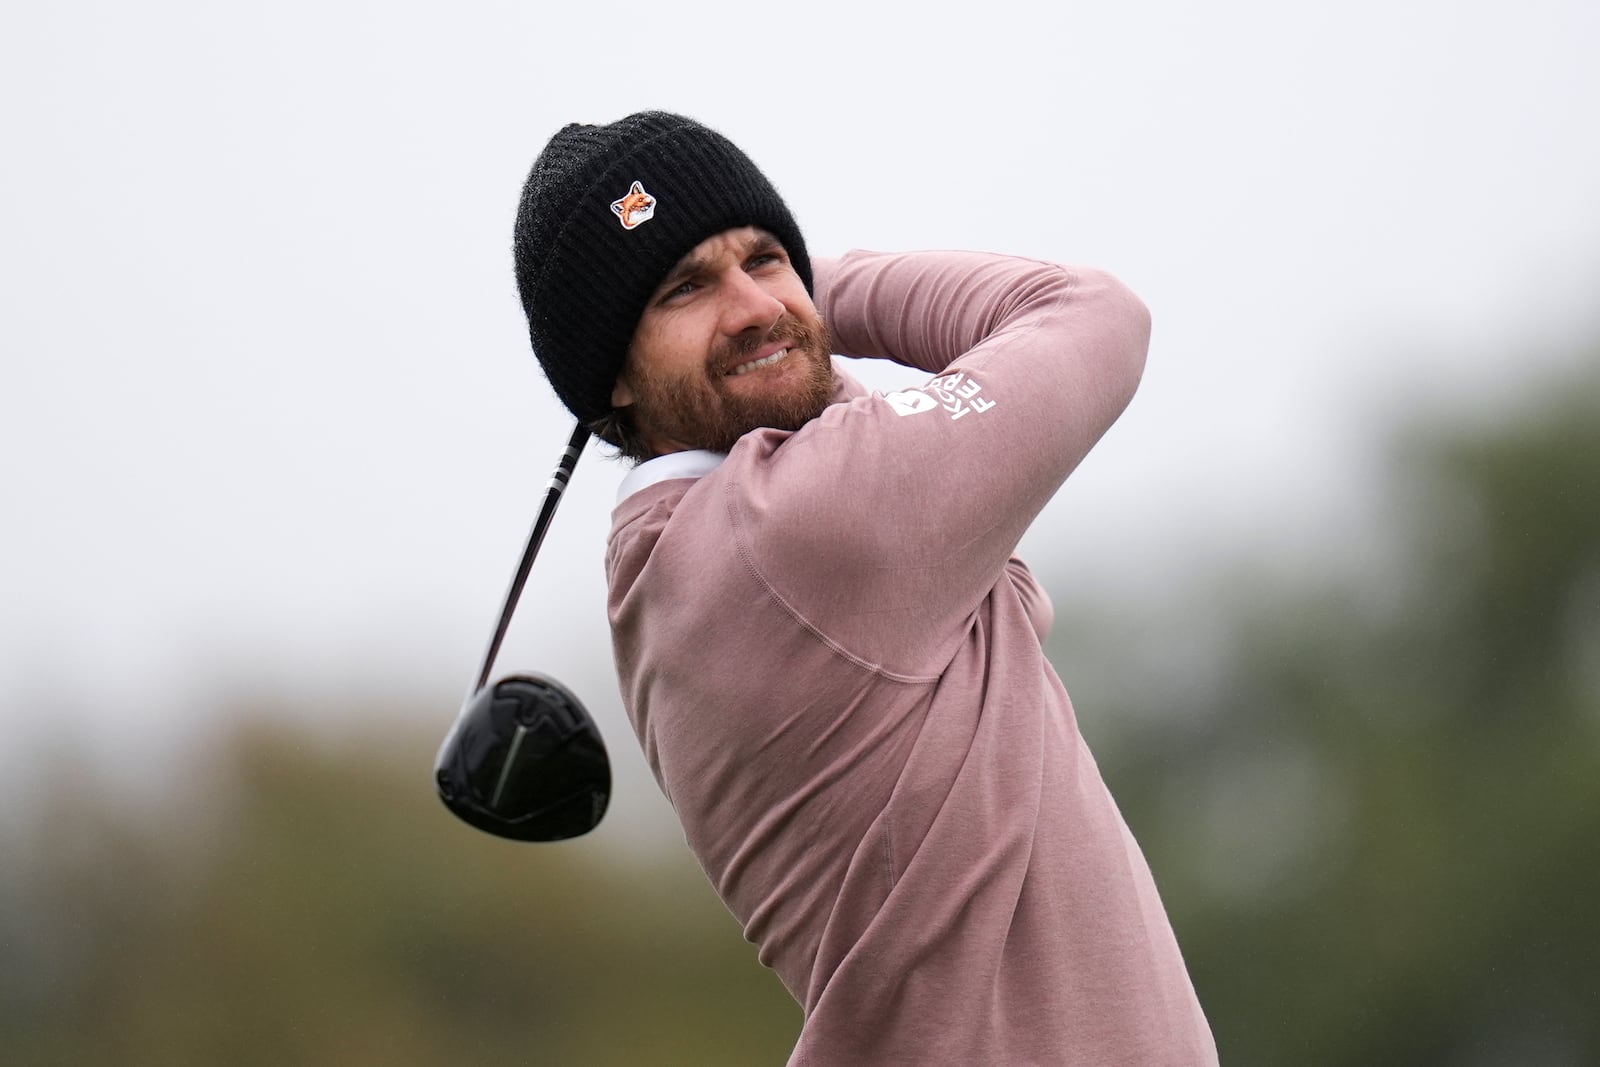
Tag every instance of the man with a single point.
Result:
(828, 652)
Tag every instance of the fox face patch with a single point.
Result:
(635, 208)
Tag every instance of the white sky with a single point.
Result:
(269, 422)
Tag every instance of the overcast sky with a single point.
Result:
(270, 423)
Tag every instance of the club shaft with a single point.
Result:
(547, 511)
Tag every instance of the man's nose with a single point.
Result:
(747, 306)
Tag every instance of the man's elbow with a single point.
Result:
(1124, 328)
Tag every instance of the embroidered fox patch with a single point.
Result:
(637, 207)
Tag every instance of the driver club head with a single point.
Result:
(525, 761)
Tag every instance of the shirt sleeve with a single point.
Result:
(885, 522)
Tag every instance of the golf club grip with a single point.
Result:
(552, 498)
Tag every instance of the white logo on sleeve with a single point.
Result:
(955, 393)
(911, 401)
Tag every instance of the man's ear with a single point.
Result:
(622, 392)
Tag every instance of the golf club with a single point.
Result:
(524, 760)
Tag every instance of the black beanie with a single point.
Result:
(605, 213)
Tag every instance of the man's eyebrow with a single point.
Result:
(691, 264)
(687, 267)
(765, 242)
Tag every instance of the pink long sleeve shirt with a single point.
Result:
(833, 664)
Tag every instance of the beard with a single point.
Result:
(701, 411)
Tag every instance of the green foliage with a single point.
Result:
(323, 908)
(1375, 819)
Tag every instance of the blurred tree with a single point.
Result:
(323, 908)
(1376, 816)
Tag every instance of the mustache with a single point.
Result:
(732, 351)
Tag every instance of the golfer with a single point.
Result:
(828, 651)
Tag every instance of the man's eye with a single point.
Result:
(762, 259)
(682, 289)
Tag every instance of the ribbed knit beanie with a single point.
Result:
(605, 213)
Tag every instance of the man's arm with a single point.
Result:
(945, 311)
(915, 501)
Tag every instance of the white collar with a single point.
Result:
(695, 463)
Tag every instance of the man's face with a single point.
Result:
(729, 342)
